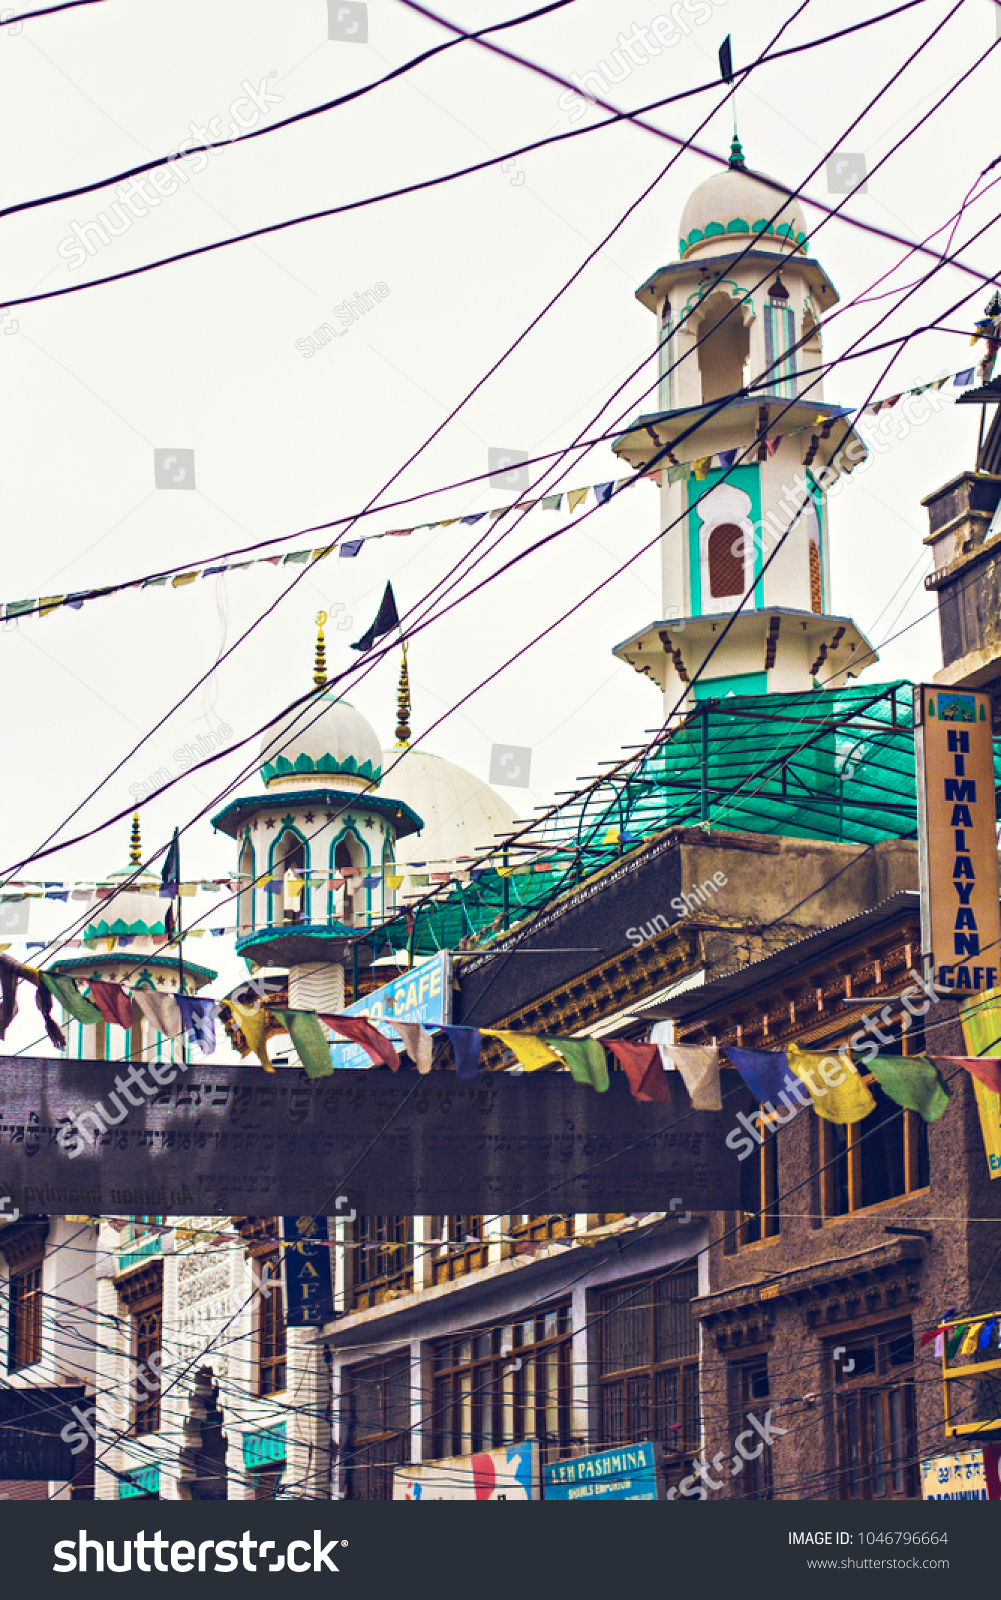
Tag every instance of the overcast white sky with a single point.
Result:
(203, 356)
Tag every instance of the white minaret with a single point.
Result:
(750, 328)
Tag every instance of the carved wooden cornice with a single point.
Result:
(23, 1242)
(808, 1005)
(141, 1286)
(626, 978)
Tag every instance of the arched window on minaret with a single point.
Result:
(666, 356)
(812, 354)
(245, 899)
(724, 344)
(726, 561)
(780, 338)
(351, 863)
(288, 866)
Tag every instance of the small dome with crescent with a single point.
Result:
(735, 204)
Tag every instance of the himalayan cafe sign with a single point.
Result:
(954, 751)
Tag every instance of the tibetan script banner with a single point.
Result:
(238, 1140)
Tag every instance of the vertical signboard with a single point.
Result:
(309, 1295)
(954, 753)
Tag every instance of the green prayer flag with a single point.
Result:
(311, 1045)
(551, 502)
(586, 1060)
(913, 1082)
(954, 1340)
(72, 1001)
(679, 474)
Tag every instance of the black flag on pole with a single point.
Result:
(726, 61)
(170, 876)
(387, 618)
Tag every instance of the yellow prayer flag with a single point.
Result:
(981, 1030)
(531, 1052)
(252, 1022)
(835, 1086)
(50, 602)
(187, 888)
(701, 467)
(575, 498)
(183, 578)
(969, 1344)
(394, 879)
(322, 554)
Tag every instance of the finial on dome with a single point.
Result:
(403, 703)
(135, 847)
(320, 660)
(737, 153)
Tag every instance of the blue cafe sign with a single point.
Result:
(421, 994)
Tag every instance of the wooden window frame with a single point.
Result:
(369, 1457)
(496, 1378)
(912, 1129)
(683, 1369)
(461, 1252)
(860, 1396)
(272, 1333)
(378, 1274)
(766, 1222)
(755, 1479)
(26, 1299)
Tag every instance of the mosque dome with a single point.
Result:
(462, 814)
(734, 204)
(325, 738)
(137, 912)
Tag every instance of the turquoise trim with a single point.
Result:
(145, 1480)
(261, 1449)
(747, 478)
(109, 930)
(401, 819)
(282, 767)
(276, 899)
(714, 229)
(735, 683)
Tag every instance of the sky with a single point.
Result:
(212, 356)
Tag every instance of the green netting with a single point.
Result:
(828, 764)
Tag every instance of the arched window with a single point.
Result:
(245, 898)
(816, 588)
(665, 357)
(350, 860)
(288, 858)
(726, 561)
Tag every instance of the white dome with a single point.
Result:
(138, 911)
(461, 813)
(335, 742)
(733, 204)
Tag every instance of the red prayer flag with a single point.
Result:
(113, 1003)
(359, 1031)
(643, 1067)
(986, 1068)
